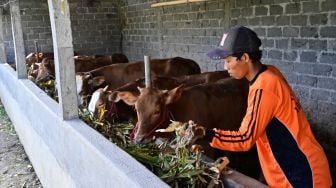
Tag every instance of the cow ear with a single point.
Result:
(128, 97)
(98, 80)
(174, 94)
(87, 76)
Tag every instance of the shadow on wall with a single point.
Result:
(325, 136)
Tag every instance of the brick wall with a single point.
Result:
(95, 27)
(299, 37)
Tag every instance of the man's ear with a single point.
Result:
(97, 81)
(174, 94)
(245, 57)
(128, 97)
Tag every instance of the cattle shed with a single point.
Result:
(298, 36)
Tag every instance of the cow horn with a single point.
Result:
(140, 89)
(105, 88)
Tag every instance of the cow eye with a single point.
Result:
(157, 112)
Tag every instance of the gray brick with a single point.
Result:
(328, 5)
(242, 21)
(282, 20)
(281, 44)
(276, 10)
(322, 70)
(243, 3)
(290, 31)
(290, 55)
(260, 31)
(321, 95)
(274, 32)
(261, 11)
(268, 43)
(302, 91)
(332, 45)
(300, 20)
(299, 43)
(317, 44)
(275, 54)
(254, 21)
(318, 19)
(328, 58)
(246, 12)
(235, 13)
(293, 8)
(326, 83)
(328, 32)
(303, 68)
(334, 71)
(267, 20)
(312, 6)
(233, 22)
(332, 18)
(309, 32)
(308, 56)
(307, 80)
(266, 2)
(333, 97)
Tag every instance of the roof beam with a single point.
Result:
(175, 2)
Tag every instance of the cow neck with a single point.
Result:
(166, 115)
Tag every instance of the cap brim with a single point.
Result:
(218, 53)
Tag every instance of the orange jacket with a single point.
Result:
(288, 152)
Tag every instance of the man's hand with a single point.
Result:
(191, 132)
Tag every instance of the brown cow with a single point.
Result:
(43, 72)
(117, 75)
(121, 111)
(212, 104)
(221, 105)
(31, 58)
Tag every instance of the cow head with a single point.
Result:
(30, 59)
(86, 84)
(151, 107)
(98, 99)
(45, 71)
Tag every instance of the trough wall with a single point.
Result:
(298, 36)
(66, 153)
(95, 27)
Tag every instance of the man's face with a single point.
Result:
(237, 68)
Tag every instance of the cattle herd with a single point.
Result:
(179, 92)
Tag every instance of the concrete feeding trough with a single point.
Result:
(66, 153)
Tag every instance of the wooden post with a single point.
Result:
(63, 54)
(147, 71)
(3, 58)
(19, 50)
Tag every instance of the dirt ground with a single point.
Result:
(15, 168)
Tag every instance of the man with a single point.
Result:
(288, 152)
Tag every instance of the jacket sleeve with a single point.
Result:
(260, 111)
